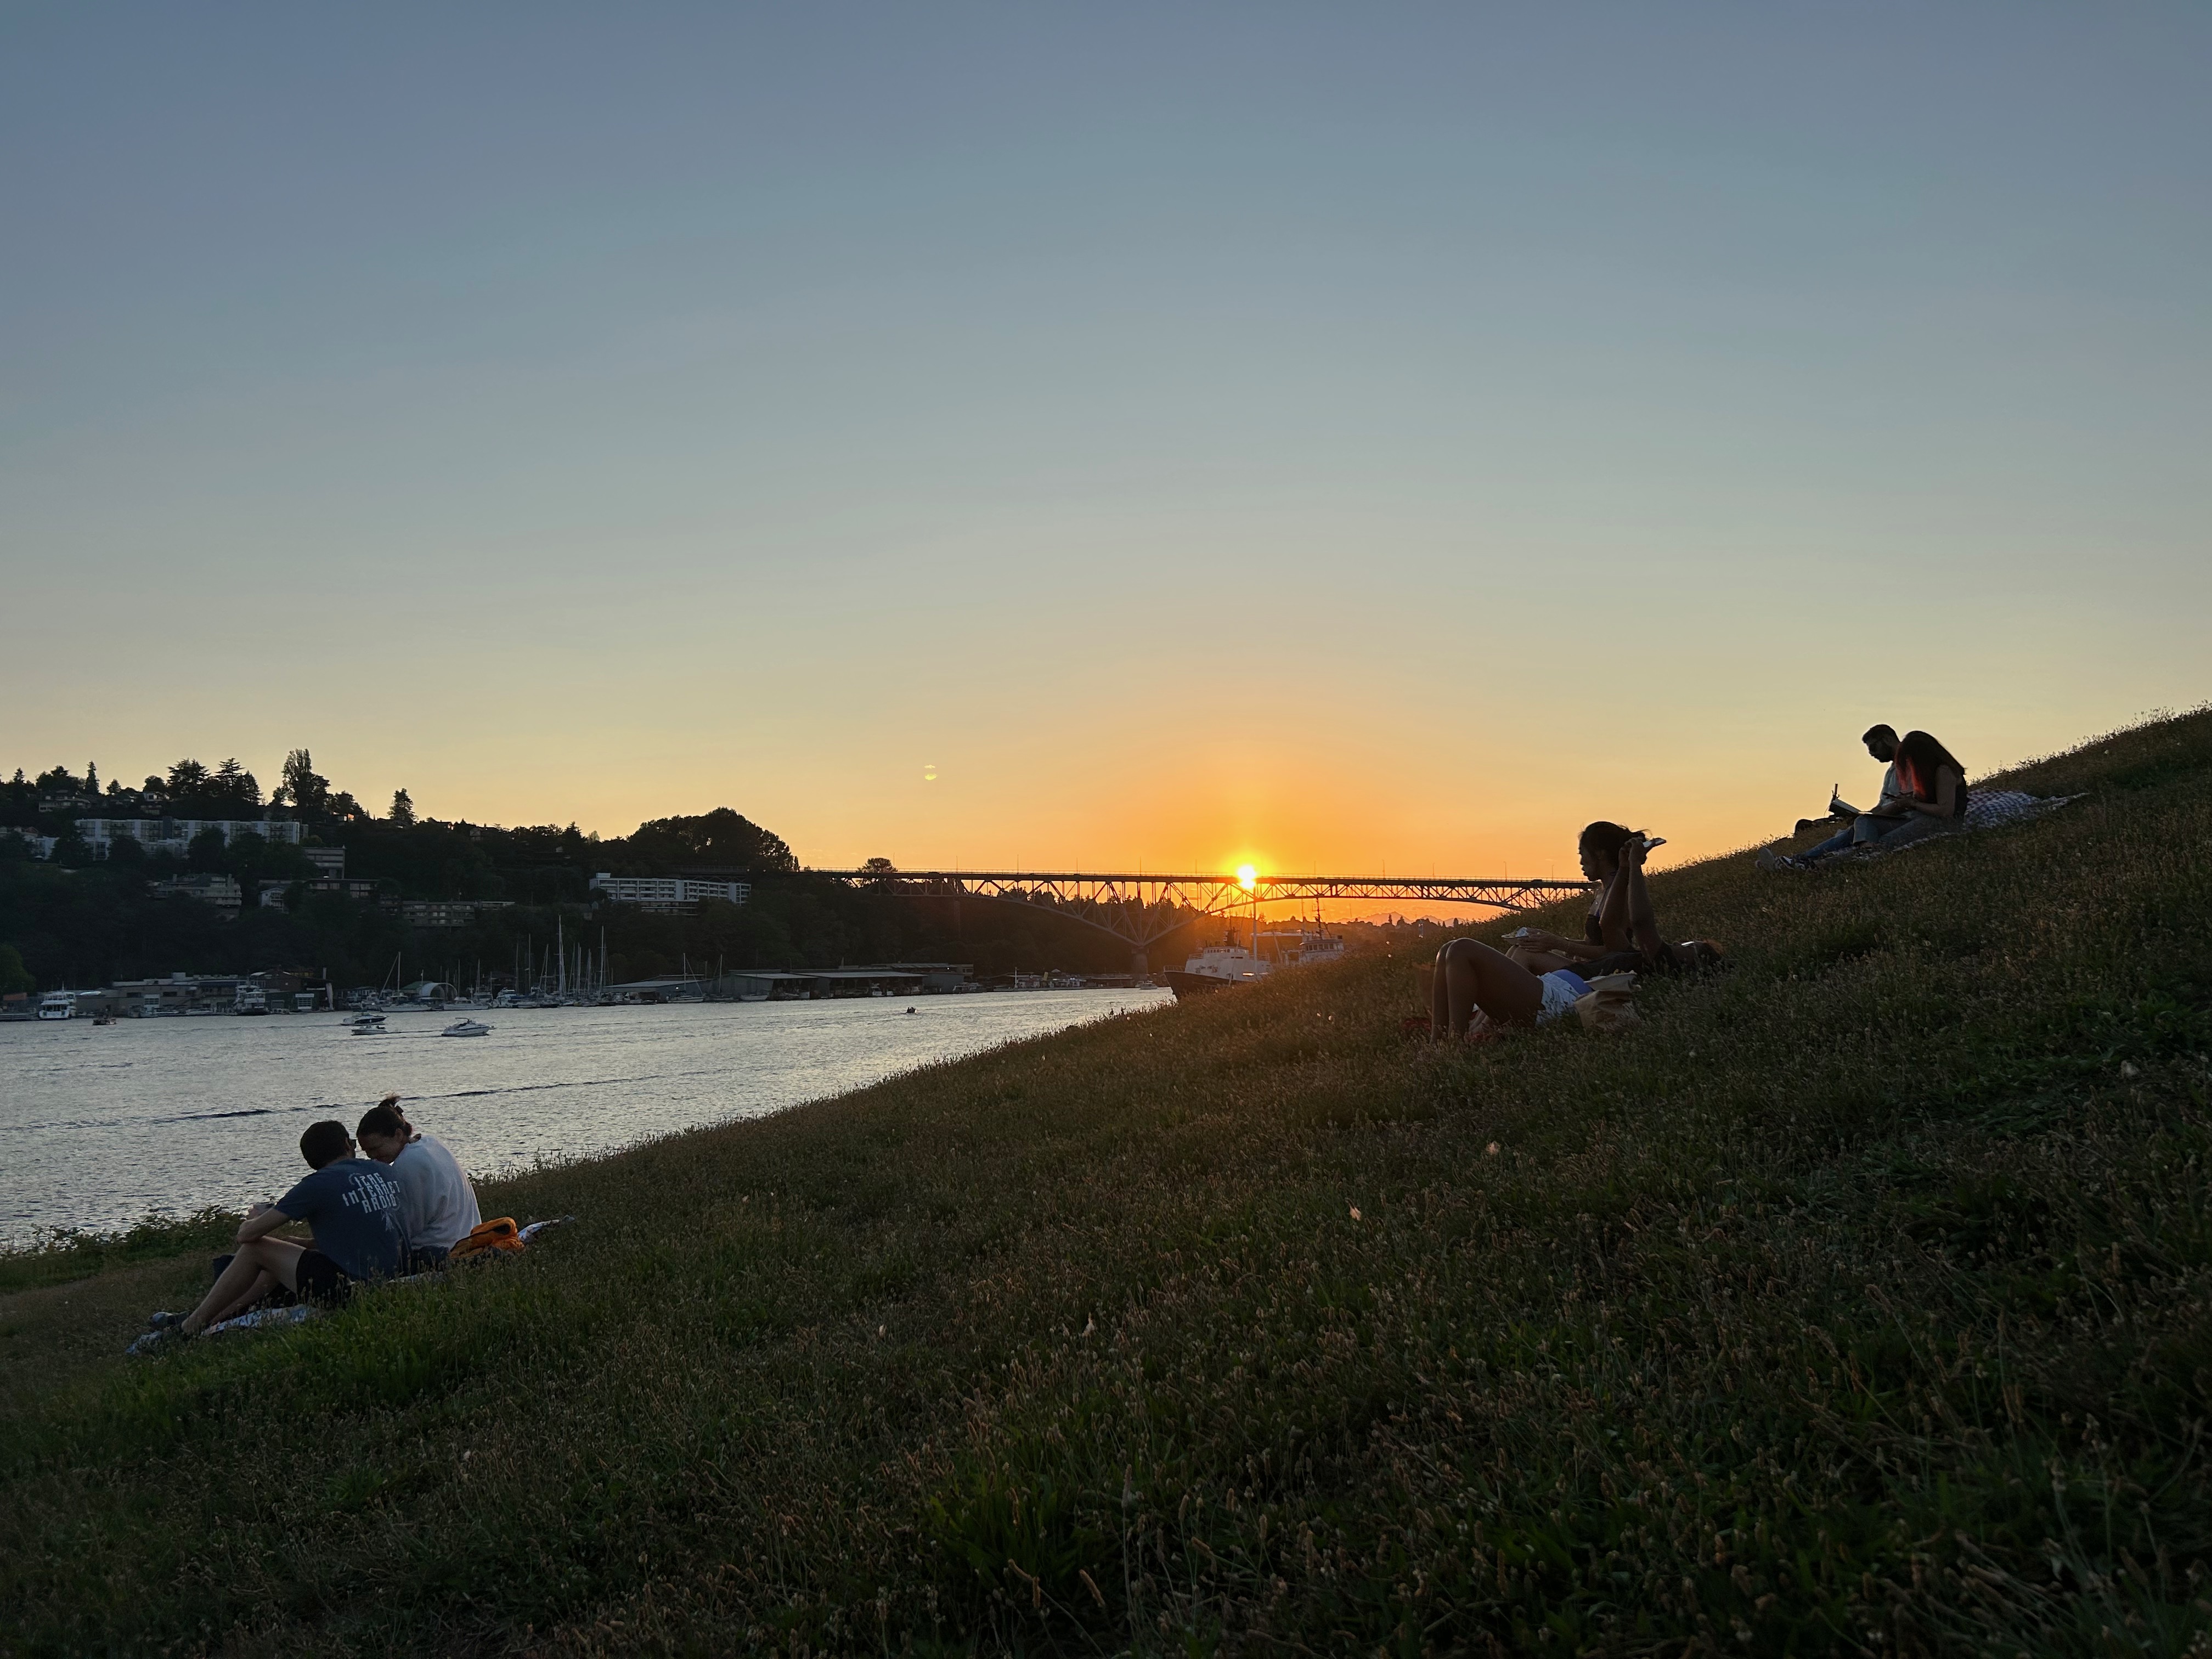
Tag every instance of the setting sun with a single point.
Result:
(1247, 876)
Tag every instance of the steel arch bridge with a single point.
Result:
(1142, 908)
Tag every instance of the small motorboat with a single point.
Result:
(366, 1024)
(466, 1028)
(103, 1019)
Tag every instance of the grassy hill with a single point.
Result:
(1860, 1300)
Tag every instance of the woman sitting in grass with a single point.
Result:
(1545, 974)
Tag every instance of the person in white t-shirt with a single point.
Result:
(437, 1205)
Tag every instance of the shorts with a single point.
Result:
(424, 1259)
(1562, 990)
(323, 1281)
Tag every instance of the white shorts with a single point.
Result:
(1562, 990)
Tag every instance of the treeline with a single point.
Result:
(82, 920)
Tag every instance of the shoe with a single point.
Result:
(1770, 859)
(162, 1321)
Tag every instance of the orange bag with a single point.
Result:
(499, 1235)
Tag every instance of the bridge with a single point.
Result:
(1142, 908)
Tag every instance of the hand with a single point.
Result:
(1632, 852)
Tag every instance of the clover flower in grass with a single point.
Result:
(1355, 1212)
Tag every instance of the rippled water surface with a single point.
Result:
(100, 1124)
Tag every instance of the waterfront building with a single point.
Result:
(176, 994)
(667, 894)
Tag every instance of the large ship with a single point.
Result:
(57, 1005)
(1229, 963)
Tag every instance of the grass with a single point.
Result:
(1858, 1301)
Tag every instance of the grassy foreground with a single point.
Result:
(1860, 1300)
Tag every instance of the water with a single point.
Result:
(102, 1125)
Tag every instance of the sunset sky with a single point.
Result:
(1337, 437)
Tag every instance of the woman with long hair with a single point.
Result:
(1546, 974)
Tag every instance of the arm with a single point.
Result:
(261, 1220)
(1946, 796)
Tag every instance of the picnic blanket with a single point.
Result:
(298, 1313)
(1986, 810)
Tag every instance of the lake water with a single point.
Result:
(102, 1125)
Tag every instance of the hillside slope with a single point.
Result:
(1860, 1299)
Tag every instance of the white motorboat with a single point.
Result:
(466, 1028)
(57, 1005)
(366, 1024)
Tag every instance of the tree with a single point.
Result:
(14, 977)
(307, 790)
(91, 779)
(720, 837)
(236, 786)
(403, 809)
(207, 852)
(187, 777)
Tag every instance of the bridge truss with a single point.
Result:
(1141, 910)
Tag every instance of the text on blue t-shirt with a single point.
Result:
(353, 1208)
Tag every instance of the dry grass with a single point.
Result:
(1859, 1301)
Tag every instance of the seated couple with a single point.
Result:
(1545, 974)
(1923, 792)
(399, 1209)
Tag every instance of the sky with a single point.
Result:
(986, 435)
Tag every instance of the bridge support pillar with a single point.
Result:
(1139, 964)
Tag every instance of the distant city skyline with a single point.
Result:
(987, 437)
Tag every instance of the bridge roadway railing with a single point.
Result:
(1140, 907)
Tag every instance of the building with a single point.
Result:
(329, 861)
(667, 895)
(895, 978)
(221, 891)
(175, 995)
(176, 834)
(445, 912)
(277, 895)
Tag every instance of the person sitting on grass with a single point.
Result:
(1620, 934)
(1546, 975)
(437, 1205)
(1923, 792)
(353, 1207)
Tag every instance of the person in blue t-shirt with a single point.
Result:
(352, 1205)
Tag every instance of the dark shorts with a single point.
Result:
(323, 1281)
(423, 1258)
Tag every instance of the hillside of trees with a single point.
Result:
(80, 921)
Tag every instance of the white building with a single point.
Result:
(669, 894)
(176, 834)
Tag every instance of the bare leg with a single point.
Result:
(276, 1257)
(263, 1284)
(1470, 975)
